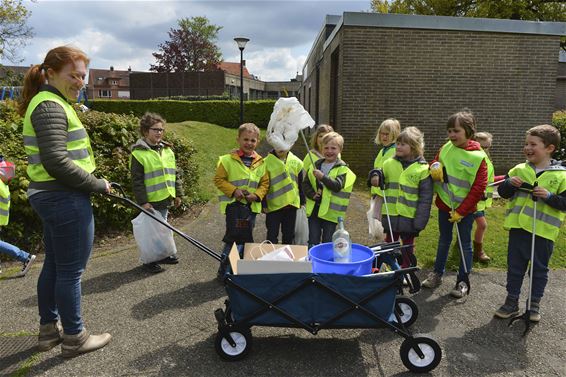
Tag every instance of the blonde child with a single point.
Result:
(285, 194)
(156, 181)
(386, 135)
(485, 139)
(316, 146)
(242, 180)
(408, 189)
(462, 188)
(327, 189)
(547, 180)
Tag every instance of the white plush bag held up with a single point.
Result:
(154, 240)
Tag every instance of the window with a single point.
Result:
(113, 82)
(104, 93)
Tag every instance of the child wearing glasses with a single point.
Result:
(155, 179)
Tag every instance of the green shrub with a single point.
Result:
(223, 113)
(559, 121)
(110, 135)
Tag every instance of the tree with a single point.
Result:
(13, 29)
(191, 47)
(531, 10)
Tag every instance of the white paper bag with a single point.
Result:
(155, 241)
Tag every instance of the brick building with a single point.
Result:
(366, 67)
(108, 83)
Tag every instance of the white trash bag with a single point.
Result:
(301, 227)
(288, 118)
(154, 240)
(375, 227)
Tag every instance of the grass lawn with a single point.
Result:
(212, 141)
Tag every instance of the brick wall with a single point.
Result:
(421, 77)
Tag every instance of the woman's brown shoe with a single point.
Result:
(83, 342)
(50, 335)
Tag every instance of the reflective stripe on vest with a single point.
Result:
(78, 143)
(378, 164)
(159, 170)
(243, 178)
(488, 194)
(333, 204)
(403, 200)
(520, 208)
(461, 169)
(283, 187)
(4, 203)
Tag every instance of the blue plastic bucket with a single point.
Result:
(322, 259)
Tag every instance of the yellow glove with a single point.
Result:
(436, 172)
(455, 217)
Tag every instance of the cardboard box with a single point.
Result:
(248, 265)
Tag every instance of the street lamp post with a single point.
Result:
(241, 41)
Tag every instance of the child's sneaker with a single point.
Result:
(534, 313)
(509, 309)
(459, 290)
(433, 280)
(26, 266)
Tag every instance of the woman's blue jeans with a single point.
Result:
(445, 240)
(68, 232)
(13, 251)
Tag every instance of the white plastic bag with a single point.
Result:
(154, 240)
(374, 225)
(301, 227)
(288, 118)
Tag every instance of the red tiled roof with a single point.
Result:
(234, 69)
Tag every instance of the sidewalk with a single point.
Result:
(163, 325)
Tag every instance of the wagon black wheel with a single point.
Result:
(243, 340)
(432, 354)
(407, 310)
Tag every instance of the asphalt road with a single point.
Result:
(163, 325)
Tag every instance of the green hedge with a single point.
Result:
(559, 121)
(110, 135)
(222, 113)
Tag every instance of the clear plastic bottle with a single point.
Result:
(342, 244)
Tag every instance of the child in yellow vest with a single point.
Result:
(5, 247)
(285, 195)
(408, 189)
(327, 188)
(156, 181)
(316, 145)
(485, 139)
(242, 180)
(546, 179)
(457, 195)
(386, 135)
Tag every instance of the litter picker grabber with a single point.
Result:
(382, 187)
(466, 279)
(526, 317)
(199, 245)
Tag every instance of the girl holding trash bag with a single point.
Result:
(408, 189)
(463, 162)
(156, 181)
(285, 195)
(60, 167)
(327, 188)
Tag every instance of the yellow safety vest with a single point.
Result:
(402, 187)
(78, 143)
(307, 160)
(378, 164)
(333, 204)
(159, 171)
(461, 169)
(488, 201)
(4, 203)
(242, 177)
(520, 208)
(283, 187)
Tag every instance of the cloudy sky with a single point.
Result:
(125, 33)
